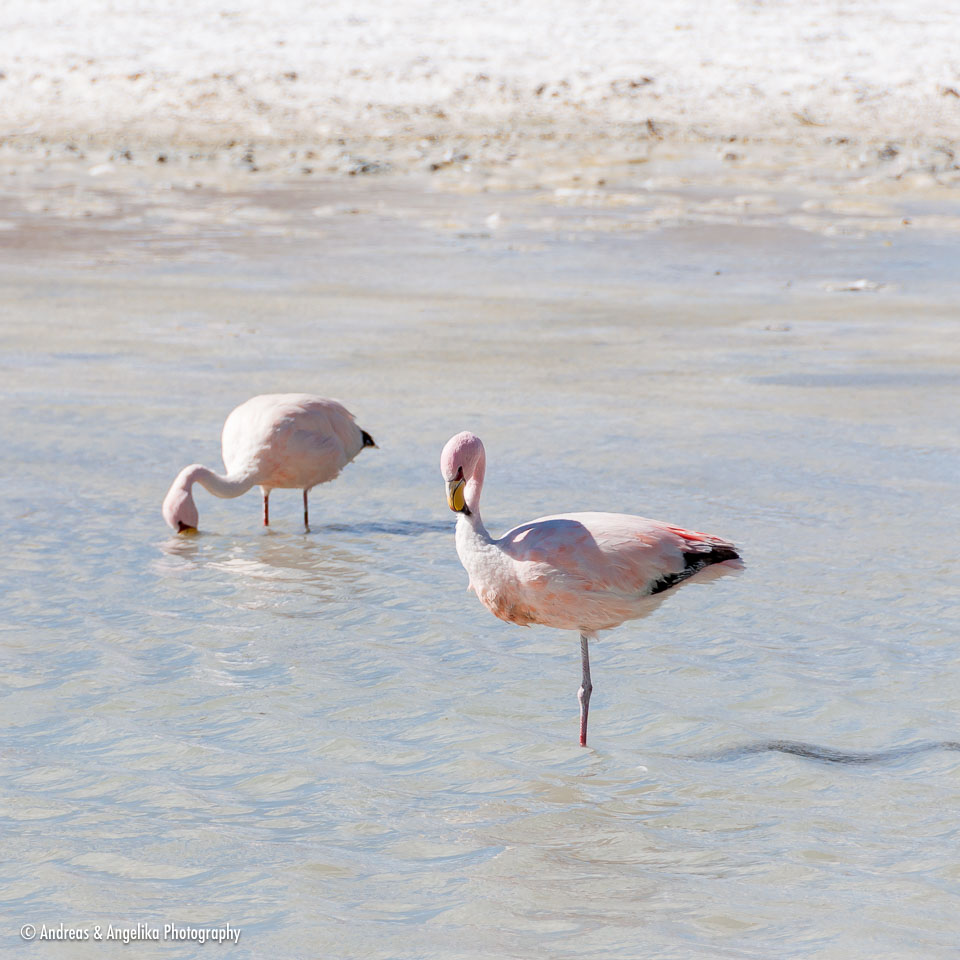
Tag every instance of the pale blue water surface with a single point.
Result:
(322, 739)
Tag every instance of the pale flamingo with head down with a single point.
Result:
(274, 441)
(575, 571)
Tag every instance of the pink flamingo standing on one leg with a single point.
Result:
(575, 571)
(280, 440)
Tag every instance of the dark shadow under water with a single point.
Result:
(810, 751)
(399, 528)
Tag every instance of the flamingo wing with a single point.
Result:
(618, 553)
(290, 440)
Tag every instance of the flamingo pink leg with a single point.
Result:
(306, 518)
(266, 508)
(586, 688)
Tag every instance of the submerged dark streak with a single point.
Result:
(400, 528)
(811, 751)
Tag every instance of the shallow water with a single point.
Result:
(324, 740)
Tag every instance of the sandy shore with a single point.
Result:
(494, 94)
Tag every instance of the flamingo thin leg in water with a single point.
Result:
(586, 688)
(306, 518)
(266, 509)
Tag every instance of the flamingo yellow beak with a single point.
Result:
(186, 529)
(455, 498)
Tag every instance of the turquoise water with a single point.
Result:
(323, 740)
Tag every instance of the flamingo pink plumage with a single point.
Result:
(575, 571)
(276, 441)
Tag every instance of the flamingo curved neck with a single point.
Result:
(225, 487)
(472, 523)
(489, 568)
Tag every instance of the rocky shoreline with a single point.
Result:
(490, 97)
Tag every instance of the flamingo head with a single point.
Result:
(462, 465)
(179, 509)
